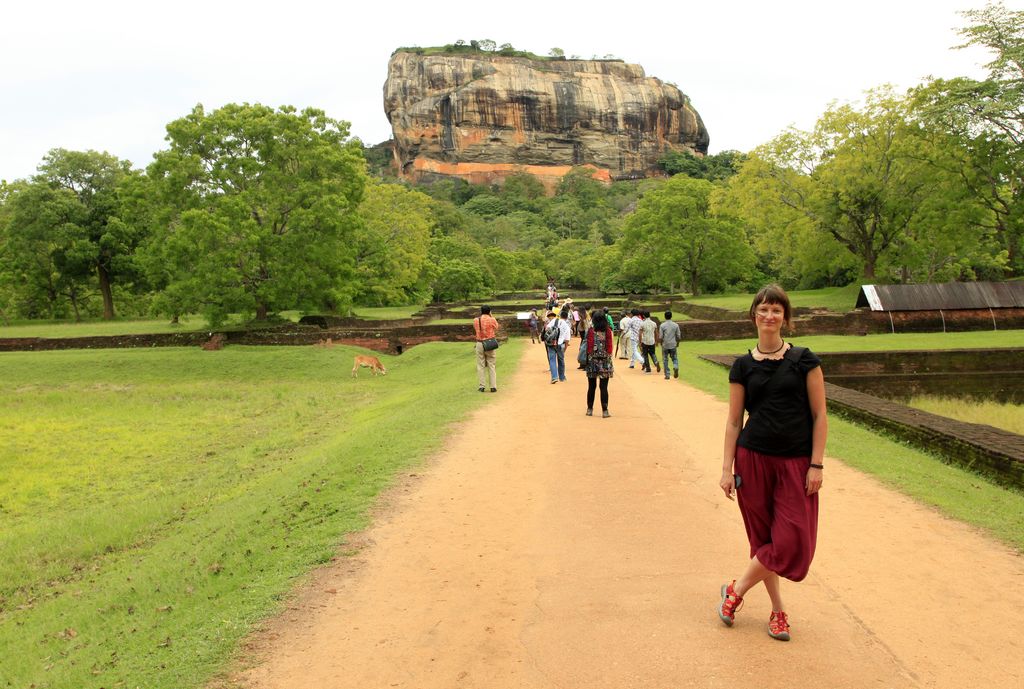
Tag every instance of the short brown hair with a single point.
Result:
(773, 294)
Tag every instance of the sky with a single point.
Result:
(109, 75)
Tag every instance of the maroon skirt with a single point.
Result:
(780, 518)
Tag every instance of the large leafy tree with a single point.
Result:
(261, 209)
(32, 217)
(987, 118)
(676, 237)
(66, 229)
(863, 179)
(391, 245)
(456, 279)
(784, 237)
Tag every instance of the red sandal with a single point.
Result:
(778, 626)
(731, 602)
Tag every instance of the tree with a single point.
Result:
(262, 210)
(676, 238)
(391, 245)
(787, 242)
(556, 52)
(457, 279)
(579, 184)
(571, 262)
(67, 230)
(714, 167)
(987, 118)
(34, 218)
(523, 191)
(859, 179)
(486, 206)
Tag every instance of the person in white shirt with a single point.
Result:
(634, 338)
(622, 347)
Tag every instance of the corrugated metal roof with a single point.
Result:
(949, 295)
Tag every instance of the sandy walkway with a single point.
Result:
(592, 557)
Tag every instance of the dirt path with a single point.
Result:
(593, 556)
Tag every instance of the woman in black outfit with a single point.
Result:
(773, 464)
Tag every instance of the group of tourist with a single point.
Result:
(642, 336)
(639, 336)
(594, 329)
(772, 464)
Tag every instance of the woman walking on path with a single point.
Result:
(599, 363)
(534, 323)
(773, 464)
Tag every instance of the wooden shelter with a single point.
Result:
(948, 296)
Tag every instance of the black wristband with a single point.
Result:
(817, 466)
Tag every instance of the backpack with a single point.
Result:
(599, 346)
(551, 334)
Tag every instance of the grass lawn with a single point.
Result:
(56, 329)
(154, 504)
(90, 328)
(838, 299)
(956, 492)
(1009, 417)
(386, 313)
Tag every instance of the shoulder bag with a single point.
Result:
(491, 343)
(581, 358)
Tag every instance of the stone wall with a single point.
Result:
(386, 340)
(996, 374)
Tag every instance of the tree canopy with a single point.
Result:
(676, 238)
(64, 229)
(263, 210)
(986, 117)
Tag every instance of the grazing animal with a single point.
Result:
(370, 362)
(215, 342)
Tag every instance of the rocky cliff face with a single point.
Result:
(483, 117)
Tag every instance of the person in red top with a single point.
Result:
(486, 327)
(599, 363)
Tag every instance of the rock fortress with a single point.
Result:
(481, 117)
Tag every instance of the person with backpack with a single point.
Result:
(556, 338)
(773, 464)
(600, 367)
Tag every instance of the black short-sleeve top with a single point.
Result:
(779, 424)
